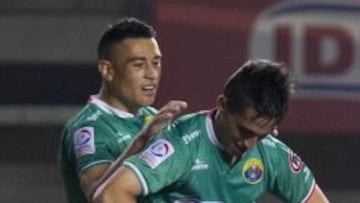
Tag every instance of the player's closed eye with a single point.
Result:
(157, 63)
(138, 63)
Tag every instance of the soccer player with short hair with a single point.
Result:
(226, 154)
(104, 132)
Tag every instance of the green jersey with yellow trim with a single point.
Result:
(97, 134)
(186, 164)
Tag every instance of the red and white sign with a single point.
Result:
(205, 41)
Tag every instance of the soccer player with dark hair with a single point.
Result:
(104, 132)
(227, 154)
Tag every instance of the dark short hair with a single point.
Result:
(127, 27)
(262, 85)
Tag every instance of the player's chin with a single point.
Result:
(148, 101)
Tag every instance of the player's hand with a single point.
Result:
(165, 115)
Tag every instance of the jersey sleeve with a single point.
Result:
(162, 163)
(92, 145)
(289, 177)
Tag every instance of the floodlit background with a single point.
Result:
(48, 71)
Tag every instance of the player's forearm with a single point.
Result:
(318, 197)
(119, 196)
(121, 187)
(132, 149)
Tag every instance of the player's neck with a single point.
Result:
(219, 130)
(116, 103)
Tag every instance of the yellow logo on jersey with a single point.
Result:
(147, 119)
(253, 171)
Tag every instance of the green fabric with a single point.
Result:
(111, 135)
(188, 162)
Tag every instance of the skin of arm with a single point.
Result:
(115, 191)
(94, 176)
(317, 197)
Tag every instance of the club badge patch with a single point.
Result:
(295, 162)
(84, 141)
(253, 171)
(157, 152)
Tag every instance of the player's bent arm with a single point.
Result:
(90, 177)
(121, 187)
(317, 197)
(166, 114)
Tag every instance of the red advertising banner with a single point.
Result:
(204, 41)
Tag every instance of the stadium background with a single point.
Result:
(47, 71)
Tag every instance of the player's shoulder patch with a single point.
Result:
(84, 141)
(157, 153)
(295, 162)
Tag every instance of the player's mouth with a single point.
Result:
(149, 90)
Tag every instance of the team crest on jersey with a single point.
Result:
(253, 171)
(157, 152)
(84, 141)
(295, 162)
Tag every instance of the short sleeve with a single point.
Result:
(92, 145)
(289, 177)
(162, 163)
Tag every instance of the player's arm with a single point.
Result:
(122, 187)
(167, 113)
(317, 196)
(90, 177)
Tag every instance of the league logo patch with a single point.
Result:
(253, 171)
(295, 162)
(157, 152)
(84, 141)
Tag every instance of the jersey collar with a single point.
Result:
(210, 128)
(94, 99)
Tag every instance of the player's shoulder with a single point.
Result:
(271, 143)
(187, 129)
(191, 120)
(274, 151)
(84, 114)
(89, 116)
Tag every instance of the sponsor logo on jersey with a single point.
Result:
(94, 116)
(295, 162)
(253, 171)
(187, 138)
(147, 119)
(199, 165)
(157, 152)
(307, 173)
(122, 137)
(84, 141)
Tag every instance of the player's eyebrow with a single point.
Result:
(247, 131)
(157, 57)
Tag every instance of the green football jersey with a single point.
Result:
(97, 134)
(186, 163)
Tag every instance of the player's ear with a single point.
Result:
(221, 103)
(105, 69)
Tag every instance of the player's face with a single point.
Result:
(136, 64)
(243, 131)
